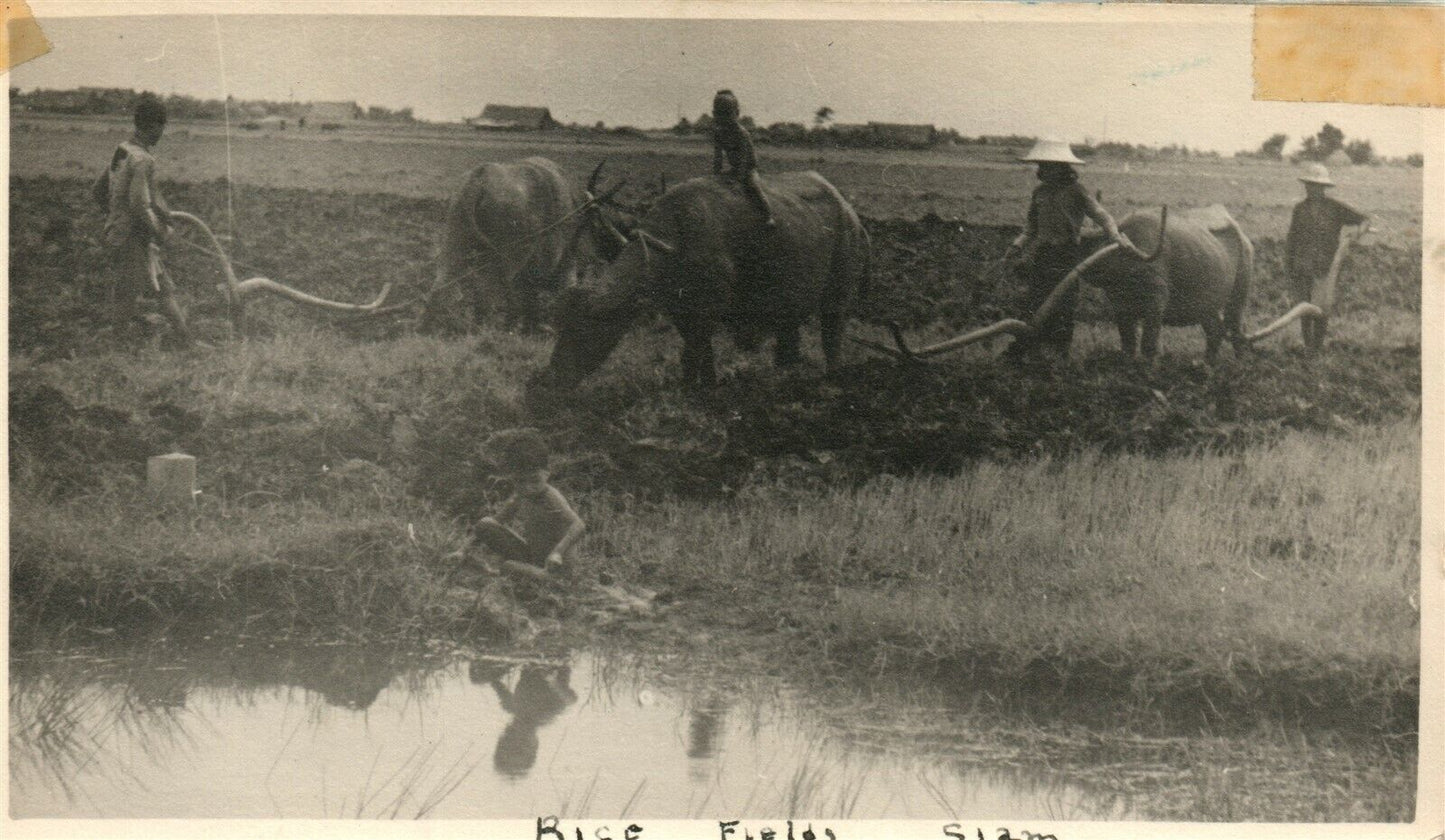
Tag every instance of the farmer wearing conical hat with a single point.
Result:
(1314, 237)
(1050, 243)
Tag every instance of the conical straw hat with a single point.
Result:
(1317, 174)
(1050, 151)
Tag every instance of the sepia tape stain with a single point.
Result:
(1367, 55)
(20, 38)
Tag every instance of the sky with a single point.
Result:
(1139, 76)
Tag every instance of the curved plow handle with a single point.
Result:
(1299, 311)
(1067, 284)
(905, 353)
(263, 284)
(237, 290)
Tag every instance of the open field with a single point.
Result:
(1182, 546)
(980, 185)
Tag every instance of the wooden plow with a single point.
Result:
(237, 291)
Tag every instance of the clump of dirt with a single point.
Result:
(872, 418)
(72, 447)
(879, 418)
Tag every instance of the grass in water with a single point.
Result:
(1294, 565)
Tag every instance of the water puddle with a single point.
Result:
(331, 733)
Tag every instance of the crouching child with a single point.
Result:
(536, 526)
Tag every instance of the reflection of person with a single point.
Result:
(705, 719)
(542, 692)
(547, 526)
(731, 141)
(137, 222)
(1314, 236)
(704, 723)
(1049, 245)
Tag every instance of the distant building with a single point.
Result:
(1338, 158)
(514, 118)
(333, 112)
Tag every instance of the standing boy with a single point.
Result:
(137, 222)
(546, 525)
(1314, 237)
(731, 140)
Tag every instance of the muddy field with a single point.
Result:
(341, 460)
(933, 274)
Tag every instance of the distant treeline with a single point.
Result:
(95, 101)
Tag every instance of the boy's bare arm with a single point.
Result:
(509, 509)
(575, 528)
(142, 202)
(717, 156)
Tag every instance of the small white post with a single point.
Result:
(171, 480)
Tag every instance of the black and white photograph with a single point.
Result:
(715, 420)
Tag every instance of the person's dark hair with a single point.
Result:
(518, 450)
(1057, 172)
(149, 111)
(724, 105)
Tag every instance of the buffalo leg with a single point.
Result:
(699, 368)
(788, 351)
(529, 309)
(1157, 303)
(1128, 337)
(830, 326)
(1213, 335)
(1150, 339)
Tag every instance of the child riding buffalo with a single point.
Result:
(731, 140)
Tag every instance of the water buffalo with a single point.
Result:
(1197, 268)
(516, 230)
(703, 257)
(1202, 274)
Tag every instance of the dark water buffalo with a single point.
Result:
(513, 231)
(1191, 268)
(703, 257)
(1202, 276)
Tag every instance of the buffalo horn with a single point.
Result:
(606, 197)
(647, 237)
(1299, 311)
(612, 229)
(592, 179)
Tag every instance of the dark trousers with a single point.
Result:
(1312, 328)
(1044, 266)
(131, 263)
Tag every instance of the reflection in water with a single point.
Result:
(706, 715)
(541, 693)
(358, 732)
